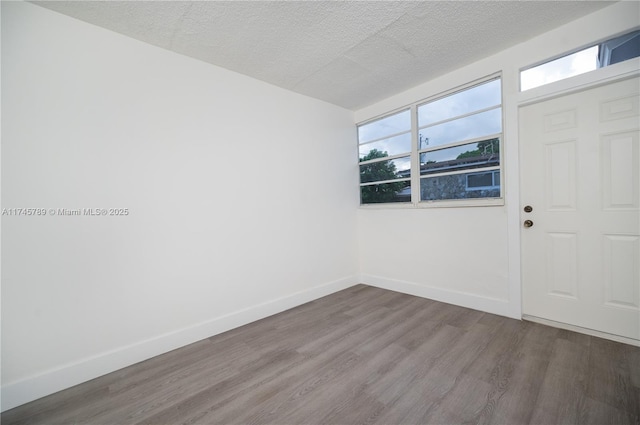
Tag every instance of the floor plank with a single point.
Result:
(365, 356)
(562, 396)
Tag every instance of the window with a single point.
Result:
(457, 133)
(607, 53)
(483, 181)
(385, 159)
(455, 152)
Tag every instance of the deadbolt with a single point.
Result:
(528, 208)
(528, 223)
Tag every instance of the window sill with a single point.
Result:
(466, 203)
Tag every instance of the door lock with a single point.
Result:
(528, 209)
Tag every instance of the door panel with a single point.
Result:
(562, 265)
(561, 172)
(620, 271)
(579, 162)
(620, 171)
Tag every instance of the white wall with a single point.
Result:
(239, 196)
(471, 256)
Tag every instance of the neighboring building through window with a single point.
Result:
(484, 181)
(458, 133)
(459, 138)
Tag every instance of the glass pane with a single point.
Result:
(387, 126)
(578, 63)
(619, 49)
(386, 192)
(478, 125)
(456, 187)
(391, 146)
(473, 99)
(479, 180)
(473, 155)
(385, 170)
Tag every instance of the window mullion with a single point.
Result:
(385, 158)
(462, 142)
(465, 171)
(415, 157)
(377, 182)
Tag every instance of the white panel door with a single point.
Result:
(579, 163)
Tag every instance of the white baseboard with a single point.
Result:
(20, 392)
(490, 305)
(581, 330)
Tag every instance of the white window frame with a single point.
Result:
(415, 177)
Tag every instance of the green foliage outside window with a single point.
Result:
(379, 171)
(486, 147)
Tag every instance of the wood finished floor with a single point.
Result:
(366, 356)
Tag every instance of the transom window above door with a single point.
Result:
(601, 55)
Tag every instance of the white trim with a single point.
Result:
(458, 203)
(387, 205)
(66, 376)
(415, 155)
(578, 329)
(497, 306)
(448, 203)
(510, 187)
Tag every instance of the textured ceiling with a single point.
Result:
(349, 53)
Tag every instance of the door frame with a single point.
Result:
(603, 76)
